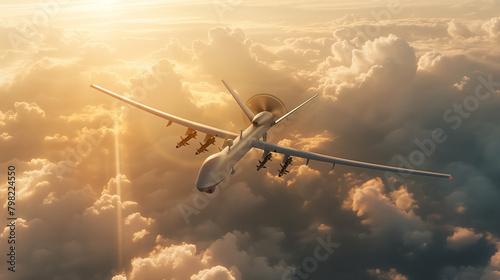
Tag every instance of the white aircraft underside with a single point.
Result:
(219, 165)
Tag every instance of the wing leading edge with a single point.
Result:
(178, 120)
(314, 156)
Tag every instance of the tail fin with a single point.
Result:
(250, 115)
(289, 113)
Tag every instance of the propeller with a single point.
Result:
(266, 102)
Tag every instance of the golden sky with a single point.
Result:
(102, 192)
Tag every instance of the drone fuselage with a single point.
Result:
(218, 166)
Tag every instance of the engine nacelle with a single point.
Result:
(262, 118)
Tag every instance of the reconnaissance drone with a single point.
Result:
(264, 112)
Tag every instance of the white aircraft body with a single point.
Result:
(219, 165)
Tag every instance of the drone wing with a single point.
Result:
(178, 120)
(266, 146)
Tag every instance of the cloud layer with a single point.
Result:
(102, 192)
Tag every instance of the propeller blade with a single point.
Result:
(266, 102)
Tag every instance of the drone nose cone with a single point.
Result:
(212, 173)
(202, 182)
(208, 187)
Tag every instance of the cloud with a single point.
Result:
(97, 53)
(24, 114)
(380, 92)
(485, 271)
(228, 55)
(492, 27)
(391, 56)
(386, 214)
(25, 110)
(392, 274)
(223, 259)
(226, 251)
(462, 237)
(174, 50)
(56, 138)
(301, 54)
(403, 200)
(214, 273)
(82, 217)
(457, 29)
(312, 143)
(88, 114)
(174, 262)
(474, 31)
(5, 136)
(492, 270)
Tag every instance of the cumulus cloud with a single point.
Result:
(223, 259)
(492, 27)
(311, 143)
(492, 270)
(228, 55)
(83, 217)
(216, 272)
(392, 274)
(391, 56)
(57, 138)
(301, 54)
(458, 29)
(474, 30)
(174, 50)
(462, 237)
(386, 214)
(5, 136)
(167, 263)
(105, 203)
